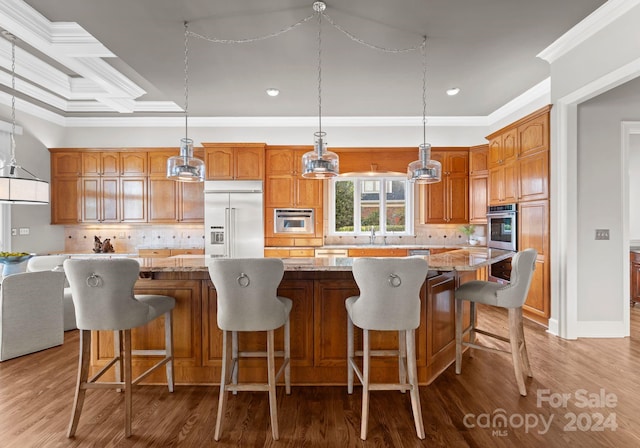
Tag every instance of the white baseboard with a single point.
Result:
(602, 329)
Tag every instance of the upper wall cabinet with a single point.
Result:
(478, 183)
(285, 186)
(447, 202)
(234, 161)
(519, 160)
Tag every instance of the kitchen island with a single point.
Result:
(318, 288)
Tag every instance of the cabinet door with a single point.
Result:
(65, 195)
(90, 199)
(496, 185)
(163, 200)
(534, 135)
(109, 164)
(533, 177)
(109, 197)
(133, 199)
(133, 164)
(66, 164)
(509, 146)
(436, 202)
(91, 164)
(280, 161)
(510, 180)
(191, 204)
(479, 160)
(249, 163)
(457, 162)
(280, 191)
(457, 189)
(495, 151)
(533, 220)
(219, 163)
(157, 162)
(309, 193)
(478, 199)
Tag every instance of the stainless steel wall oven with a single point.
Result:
(502, 230)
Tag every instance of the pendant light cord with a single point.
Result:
(320, 73)
(423, 49)
(13, 101)
(186, 77)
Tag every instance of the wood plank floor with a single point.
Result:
(36, 393)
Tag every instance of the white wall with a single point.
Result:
(600, 201)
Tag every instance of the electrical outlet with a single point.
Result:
(14, 232)
(24, 230)
(602, 234)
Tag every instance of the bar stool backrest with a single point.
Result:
(102, 291)
(389, 292)
(515, 293)
(247, 293)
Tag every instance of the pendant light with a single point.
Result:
(15, 189)
(185, 167)
(424, 170)
(320, 163)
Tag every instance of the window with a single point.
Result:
(356, 204)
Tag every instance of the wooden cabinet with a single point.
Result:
(100, 199)
(502, 184)
(65, 200)
(503, 148)
(478, 184)
(533, 177)
(234, 161)
(100, 163)
(533, 134)
(377, 252)
(66, 164)
(289, 253)
(634, 264)
(533, 221)
(285, 186)
(133, 199)
(447, 202)
(133, 163)
(154, 253)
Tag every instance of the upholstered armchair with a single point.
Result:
(54, 263)
(30, 313)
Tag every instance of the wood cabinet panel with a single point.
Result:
(533, 177)
(133, 164)
(65, 200)
(479, 160)
(100, 163)
(134, 199)
(447, 202)
(285, 186)
(534, 233)
(191, 202)
(100, 199)
(377, 252)
(441, 313)
(173, 252)
(634, 264)
(238, 161)
(157, 161)
(66, 164)
(163, 200)
(503, 184)
(533, 135)
(478, 194)
(154, 253)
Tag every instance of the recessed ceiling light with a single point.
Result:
(453, 91)
(273, 92)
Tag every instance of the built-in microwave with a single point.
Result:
(293, 220)
(502, 227)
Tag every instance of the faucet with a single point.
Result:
(372, 237)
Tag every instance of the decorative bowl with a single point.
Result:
(11, 259)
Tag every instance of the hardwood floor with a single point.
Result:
(36, 395)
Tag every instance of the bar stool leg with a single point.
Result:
(236, 360)
(271, 367)
(523, 345)
(365, 384)
(514, 339)
(168, 347)
(83, 375)
(350, 355)
(413, 380)
(287, 356)
(224, 378)
(128, 401)
(117, 353)
(459, 310)
(402, 358)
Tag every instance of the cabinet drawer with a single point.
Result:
(186, 252)
(301, 253)
(377, 252)
(154, 253)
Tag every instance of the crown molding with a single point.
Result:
(533, 96)
(7, 127)
(590, 25)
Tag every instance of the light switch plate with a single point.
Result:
(24, 230)
(602, 234)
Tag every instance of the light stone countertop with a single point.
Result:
(469, 259)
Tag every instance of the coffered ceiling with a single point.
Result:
(126, 58)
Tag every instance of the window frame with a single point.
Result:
(357, 192)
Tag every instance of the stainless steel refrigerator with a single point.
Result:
(233, 219)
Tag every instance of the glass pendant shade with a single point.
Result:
(425, 171)
(320, 163)
(185, 167)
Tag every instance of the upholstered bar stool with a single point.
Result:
(511, 296)
(389, 300)
(102, 291)
(247, 301)
(53, 263)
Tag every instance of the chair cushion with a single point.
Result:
(480, 292)
(158, 305)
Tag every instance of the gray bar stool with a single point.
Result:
(389, 300)
(248, 301)
(102, 292)
(511, 296)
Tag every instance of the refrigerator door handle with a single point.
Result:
(228, 232)
(232, 229)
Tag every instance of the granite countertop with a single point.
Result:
(469, 259)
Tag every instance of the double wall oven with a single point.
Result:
(502, 234)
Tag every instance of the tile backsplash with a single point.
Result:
(128, 239)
